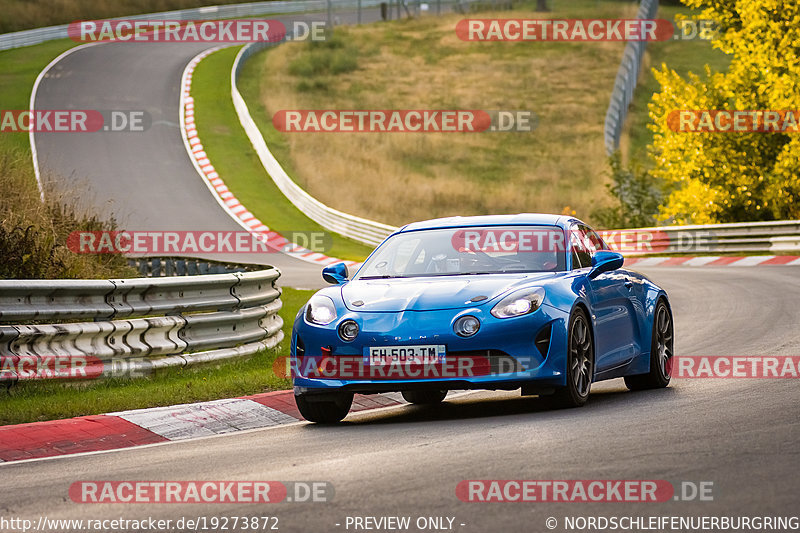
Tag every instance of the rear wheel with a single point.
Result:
(324, 408)
(660, 353)
(580, 364)
(424, 397)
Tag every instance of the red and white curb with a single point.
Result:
(140, 427)
(752, 260)
(217, 186)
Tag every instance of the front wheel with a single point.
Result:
(424, 397)
(660, 353)
(580, 364)
(324, 408)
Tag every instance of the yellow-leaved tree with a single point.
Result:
(733, 176)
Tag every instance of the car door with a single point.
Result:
(611, 295)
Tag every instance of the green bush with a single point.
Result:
(33, 234)
(325, 58)
(637, 197)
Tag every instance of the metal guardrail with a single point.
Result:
(625, 83)
(251, 9)
(184, 266)
(134, 326)
(359, 229)
(779, 237)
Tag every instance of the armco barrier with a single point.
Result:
(359, 229)
(625, 83)
(356, 228)
(138, 325)
(252, 9)
(231, 11)
(183, 266)
(779, 237)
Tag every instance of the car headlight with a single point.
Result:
(519, 303)
(320, 310)
(466, 326)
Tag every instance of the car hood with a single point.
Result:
(431, 293)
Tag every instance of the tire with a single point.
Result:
(661, 351)
(580, 364)
(324, 408)
(424, 397)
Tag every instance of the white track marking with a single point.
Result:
(31, 133)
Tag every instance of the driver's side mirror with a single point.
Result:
(335, 274)
(605, 261)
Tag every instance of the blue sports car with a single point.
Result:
(531, 302)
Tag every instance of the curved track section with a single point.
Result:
(740, 434)
(144, 178)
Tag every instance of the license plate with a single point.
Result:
(406, 355)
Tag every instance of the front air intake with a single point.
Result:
(542, 341)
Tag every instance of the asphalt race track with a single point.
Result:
(145, 179)
(740, 434)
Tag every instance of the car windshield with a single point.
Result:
(472, 250)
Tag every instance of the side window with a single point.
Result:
(593, 240)
(581, 256)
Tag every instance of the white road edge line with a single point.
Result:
(188, 71)
(31, 106)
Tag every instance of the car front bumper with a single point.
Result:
(505, 353)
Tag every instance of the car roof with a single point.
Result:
(520, 219)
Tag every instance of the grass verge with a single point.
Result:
(230, 151)
(31, 402)
(18, 71)
(422, 64)
(33, 234)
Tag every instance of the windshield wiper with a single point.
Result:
(462, 274)
(380, 277)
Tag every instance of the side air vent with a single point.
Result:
(543, 339)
